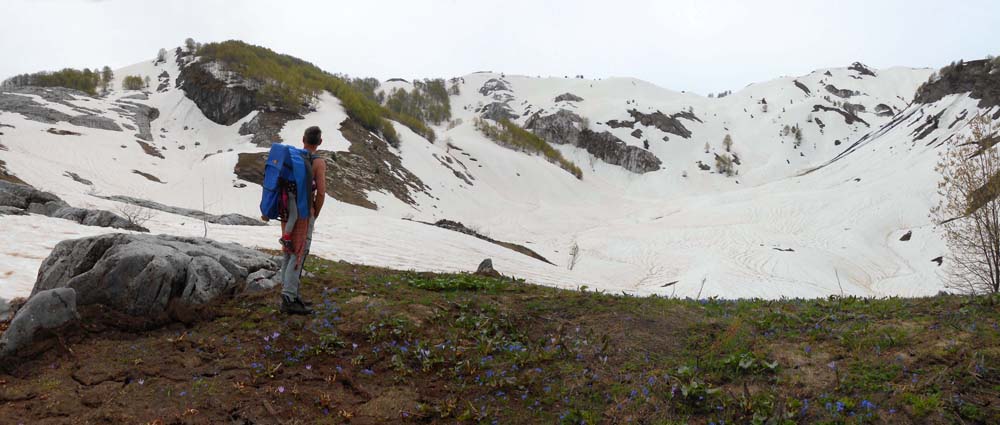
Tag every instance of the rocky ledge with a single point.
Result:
(266, 127)
(19, 199)
(980, 78)
(663, 122)
(223, 102)
(19, 101)
(224, 219)
(565, 127)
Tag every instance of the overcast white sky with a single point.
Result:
(702, 46)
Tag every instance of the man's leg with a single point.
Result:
(291, 303)
(309, 241)
(290, 277)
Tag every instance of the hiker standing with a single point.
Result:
(297, 232)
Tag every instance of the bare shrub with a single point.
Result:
(136, 215)
(969, 211)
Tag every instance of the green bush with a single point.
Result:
(512, 135)
(368, 87)
(428, 101)
(133, 82)
(461, 282)
(86, 80)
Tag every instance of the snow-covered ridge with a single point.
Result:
(788, 223)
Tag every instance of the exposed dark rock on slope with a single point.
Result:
(862, 69)
(461, 228)
(884, 110)
(802, 87)
(221, 102)
(849, 117)
(979, 78)
(665, 123)
(16, 101)
(368, 165)
(494, 85)
(266, 127)
(841, 93)
(498, 111)
(141, 115)
(564, 127)
(568, 97)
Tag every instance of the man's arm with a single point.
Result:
(319, 174)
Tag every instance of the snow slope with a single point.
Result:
(793, 223)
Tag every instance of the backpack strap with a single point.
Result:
(309, 159)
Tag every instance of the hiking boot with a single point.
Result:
(290, 306)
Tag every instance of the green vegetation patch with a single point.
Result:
(290, 82)
(511, 135)
(84, 80)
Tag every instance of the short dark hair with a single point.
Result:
(313, 136)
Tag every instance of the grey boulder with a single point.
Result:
(5, 210)
(261, 280)
(44, 310)
(4, 309)
(142, 274)
(486, 269)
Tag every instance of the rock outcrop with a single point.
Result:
(862, 69)
(221, 101)
(884, 110)
(565, 127)
(841, 93)
(849, 117)
(141, 275)
(16, 101)
(141, 115)
(803, 87)
(980, 78)
(461, 228)
(262, 280)
(164, 80)
(663, 122)
(31, 200)
(497, 111)
(494, 85)
(486, 269)
(225, 219)
(568, 97)
(266, 127)
(45, 310)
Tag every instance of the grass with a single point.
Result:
(290, 82)
(400, 347)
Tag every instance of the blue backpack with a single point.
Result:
(287, 167)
